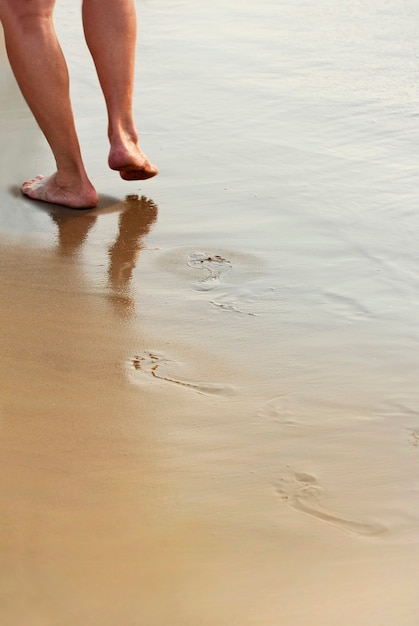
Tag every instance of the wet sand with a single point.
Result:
(208, 399)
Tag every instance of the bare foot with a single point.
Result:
(131, 162)
(74, 196)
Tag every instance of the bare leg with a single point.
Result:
(110, 30)
(41, 72)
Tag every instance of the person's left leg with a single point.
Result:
(110, 30)
(41, 72)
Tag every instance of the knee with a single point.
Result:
(25, 12)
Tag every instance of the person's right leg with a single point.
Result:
(41, 72)
(110, 30)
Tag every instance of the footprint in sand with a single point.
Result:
(153, 365)
(214, 267)
(231, 305)
(208, 268)
(302, 493)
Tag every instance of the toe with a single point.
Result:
(30, 182)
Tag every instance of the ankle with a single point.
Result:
(121, 134)
(72, 179)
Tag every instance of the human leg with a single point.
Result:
(41, 72)
(110, 30)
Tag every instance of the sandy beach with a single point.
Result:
(209, 407)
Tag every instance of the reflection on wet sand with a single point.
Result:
(135, 222)
(72, 230)
(137, 215)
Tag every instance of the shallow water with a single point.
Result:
(209, 409)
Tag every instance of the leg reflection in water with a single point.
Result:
(137, 215)
(72, 231)
(134, 223)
